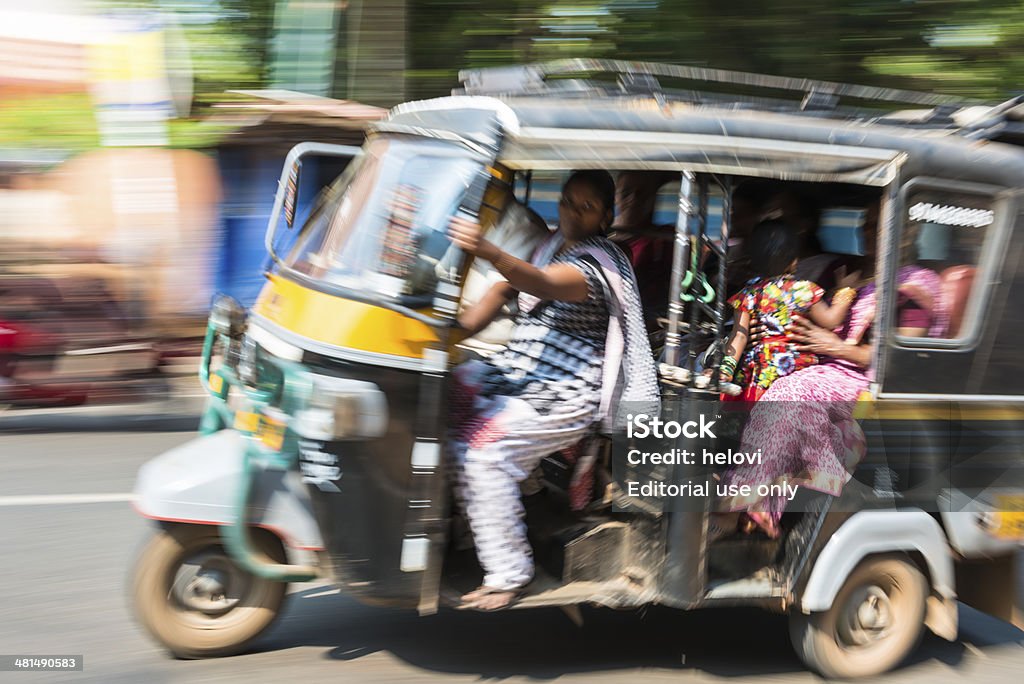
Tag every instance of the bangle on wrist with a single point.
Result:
(728, 365)
(845, 295)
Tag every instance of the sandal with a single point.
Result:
(763, 522)
(488, 599)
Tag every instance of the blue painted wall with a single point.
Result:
(250, 176)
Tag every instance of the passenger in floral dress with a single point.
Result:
(804, 425)
(775, 297)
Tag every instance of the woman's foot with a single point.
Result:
(756, 520)
(489, 598)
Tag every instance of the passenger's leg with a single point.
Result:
(501, 451)
(488, 486)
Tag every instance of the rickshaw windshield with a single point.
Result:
(383, 226)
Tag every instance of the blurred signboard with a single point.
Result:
(129, 82)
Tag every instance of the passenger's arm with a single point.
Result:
(832, 316)
(558, 282)
(737, 343)
(809, 337)
(480, 315)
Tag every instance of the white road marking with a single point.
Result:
(147, 409)
(59, 499)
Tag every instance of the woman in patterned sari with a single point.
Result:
(803, 425)
(578, 346)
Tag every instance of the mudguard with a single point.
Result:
(873, 532)
(197, 482)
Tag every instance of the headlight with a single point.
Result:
(343, 409)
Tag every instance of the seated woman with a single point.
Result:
(800, 207)
(774, 296)
(803, 424)
(579, 342)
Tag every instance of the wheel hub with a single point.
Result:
(208, 583)
(868, 617)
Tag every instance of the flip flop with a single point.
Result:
(765, 523)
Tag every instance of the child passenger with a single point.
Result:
(773, 298)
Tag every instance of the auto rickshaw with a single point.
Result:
(321, 454)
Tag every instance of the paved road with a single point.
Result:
(62, 590)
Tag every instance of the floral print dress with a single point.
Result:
(804, 425)
(774, 301)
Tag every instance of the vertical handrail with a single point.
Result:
(695, 244)
(680, 258)
(727, 188)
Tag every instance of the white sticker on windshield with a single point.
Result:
(951, 215)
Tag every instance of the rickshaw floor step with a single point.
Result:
(546, 591)
(616, 593)
(740, 557)
(764, 583)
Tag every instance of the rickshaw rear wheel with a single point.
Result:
(193, 599)
(875, 621)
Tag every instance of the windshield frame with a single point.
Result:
(326, 286)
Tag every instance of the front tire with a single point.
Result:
(192, 598)
(875, 621)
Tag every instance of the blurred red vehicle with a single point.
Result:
(65, 340)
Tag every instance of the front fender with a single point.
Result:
(197, 481)
(872, 532)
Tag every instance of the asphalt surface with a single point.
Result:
(63, 591)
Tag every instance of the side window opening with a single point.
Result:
(942, 240)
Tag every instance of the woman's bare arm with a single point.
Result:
(558, 282)
(480, 315)
(809, 337)
(739, 338)
(831, 316)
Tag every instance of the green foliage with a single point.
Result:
(969, 48)
(228, 41)
(56, 121)
(228, 49)
(964, 48)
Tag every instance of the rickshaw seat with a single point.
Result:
(957, 282)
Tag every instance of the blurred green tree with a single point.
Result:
(966, 48)
(971, 48)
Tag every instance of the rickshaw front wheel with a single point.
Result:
(194, 600)
(875, 621)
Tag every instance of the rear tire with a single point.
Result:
(192, 598)
(875, 621)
